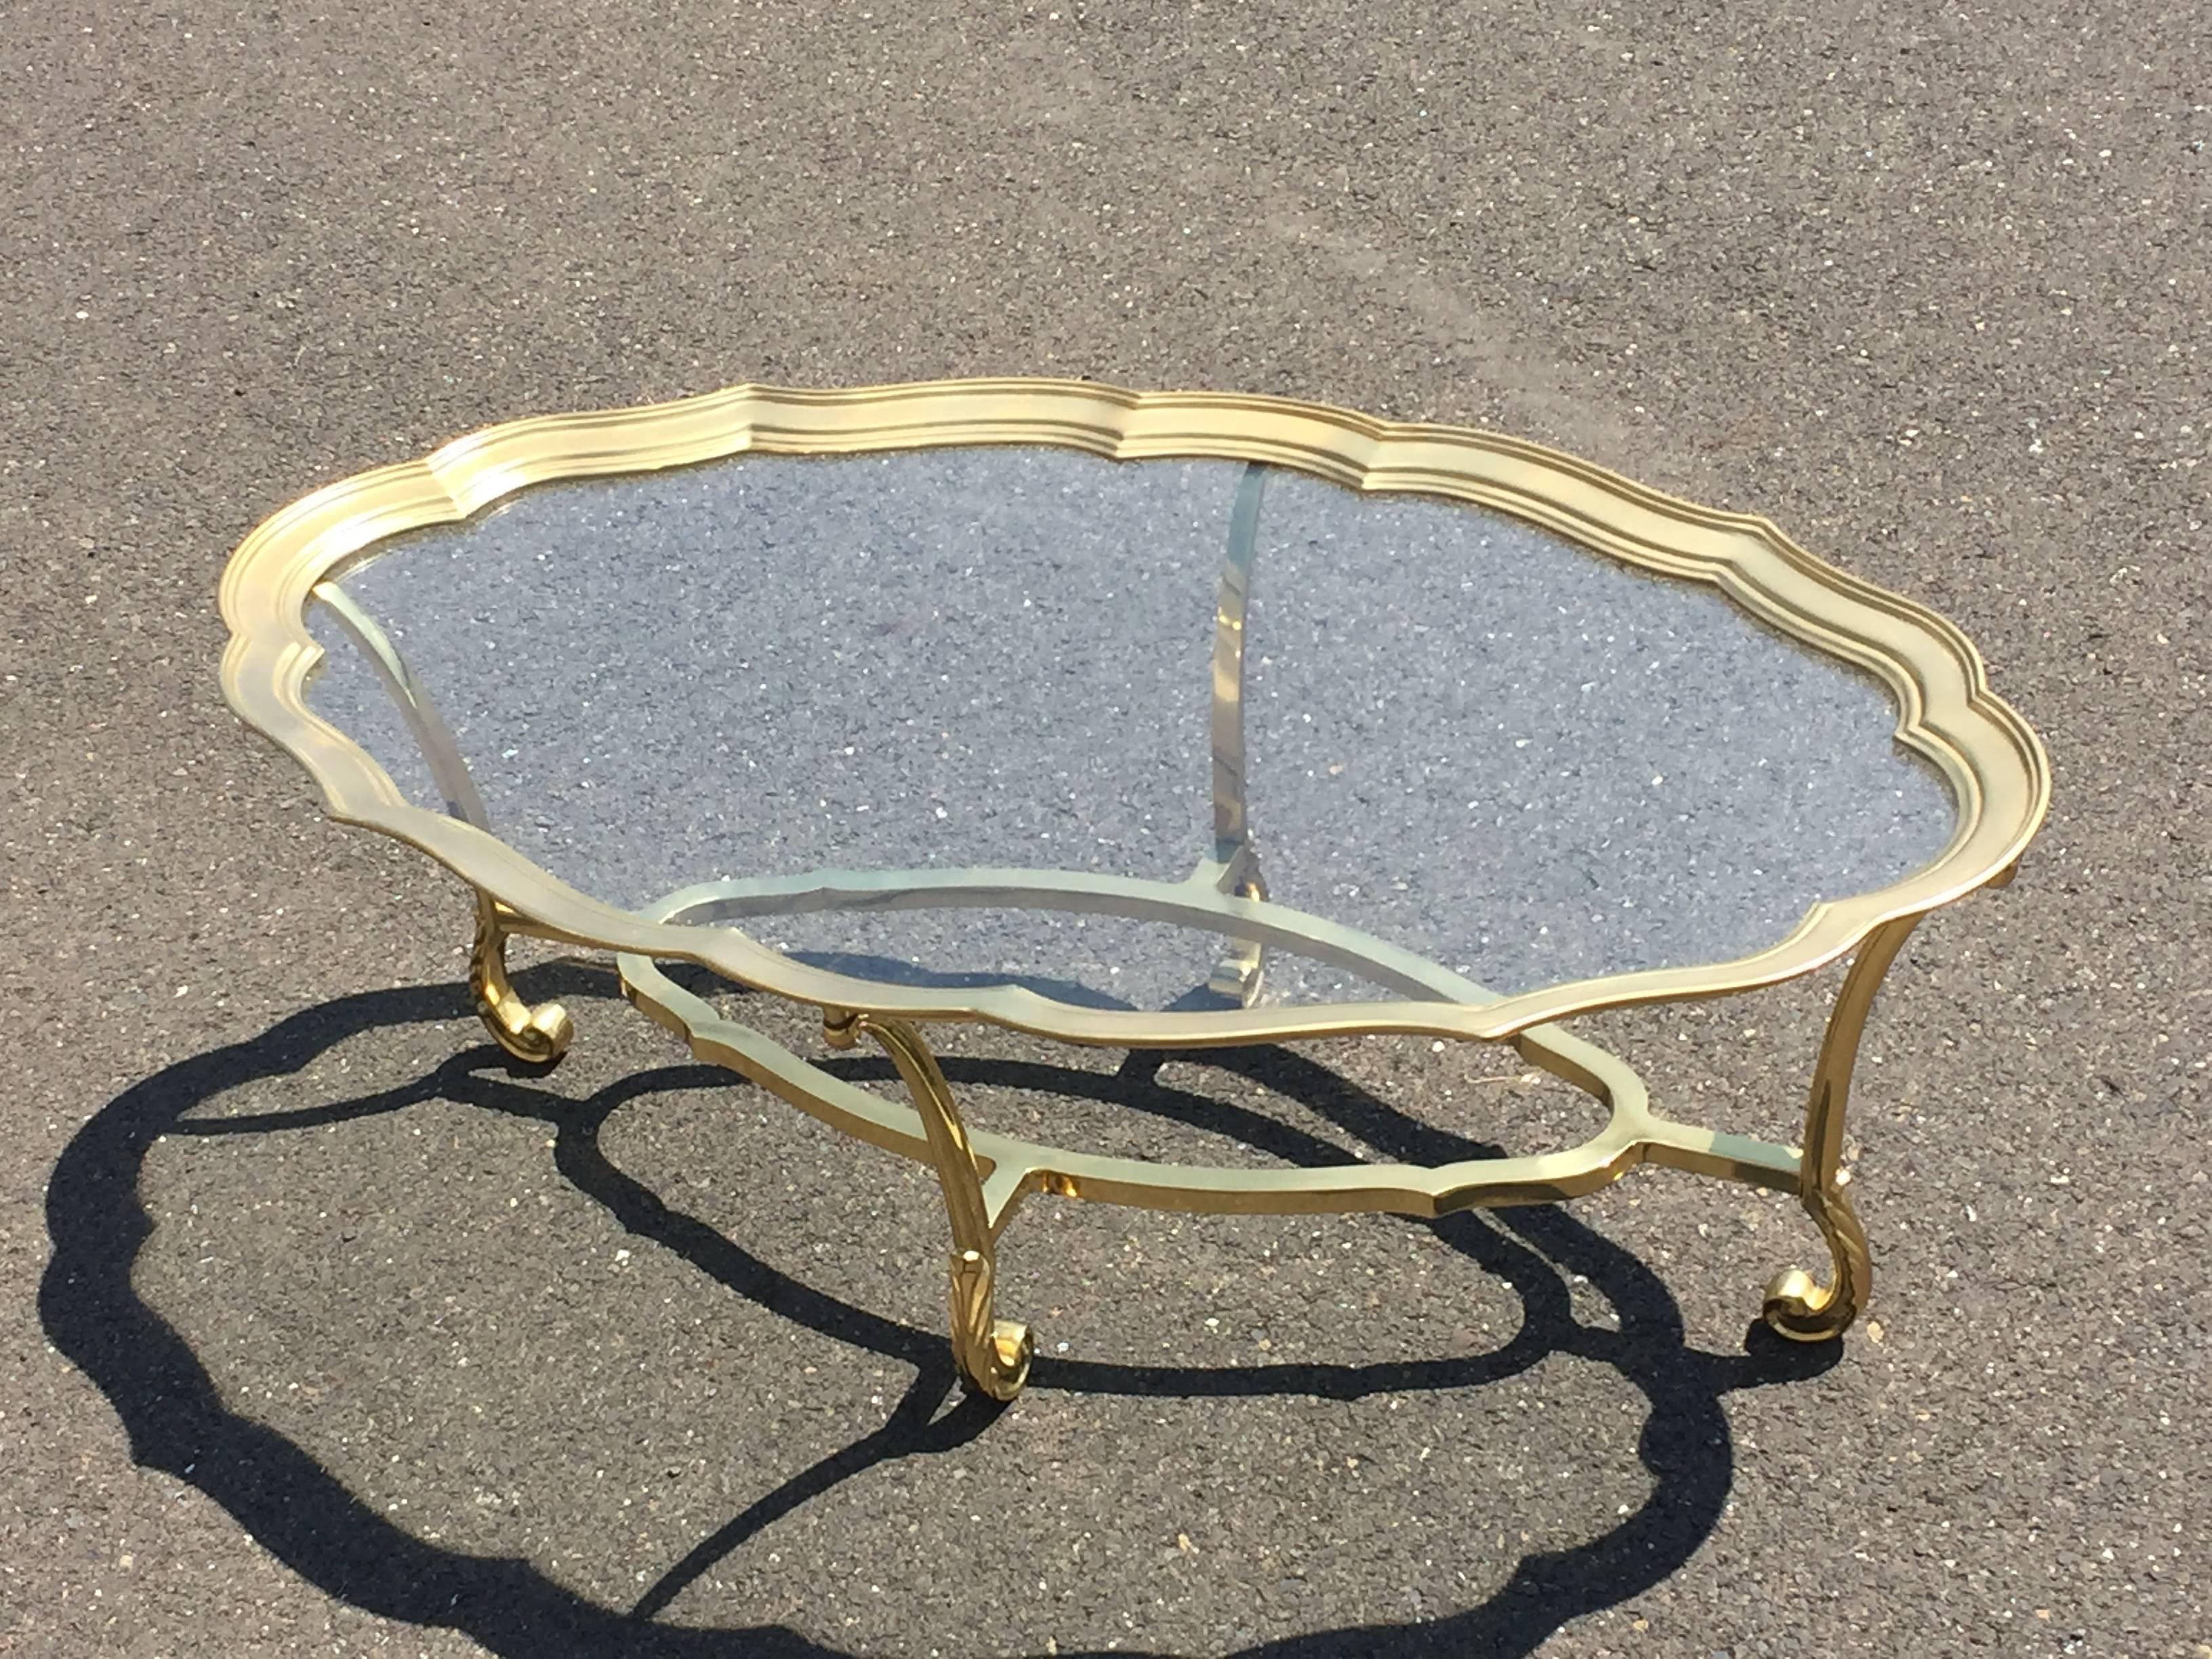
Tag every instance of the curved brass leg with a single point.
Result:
(994, 1354)
(1237, 976)
(1796, 1306)
(539, 1035)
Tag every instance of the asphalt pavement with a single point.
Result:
(326, 1331)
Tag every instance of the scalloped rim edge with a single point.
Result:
(1997, 770)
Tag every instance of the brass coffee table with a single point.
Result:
(1147, 721)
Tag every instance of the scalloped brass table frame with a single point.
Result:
(1996, 769)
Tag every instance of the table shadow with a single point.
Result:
(304, 1515)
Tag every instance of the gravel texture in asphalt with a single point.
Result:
(326, 1331)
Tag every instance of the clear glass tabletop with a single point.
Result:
(1513, 757)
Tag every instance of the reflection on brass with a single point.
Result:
(538, 1034)
(1996, 771)
(994, 1354)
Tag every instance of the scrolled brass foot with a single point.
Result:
(1238, 976)
(1805, 1311)
(536, 1034)
(994, 1354)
